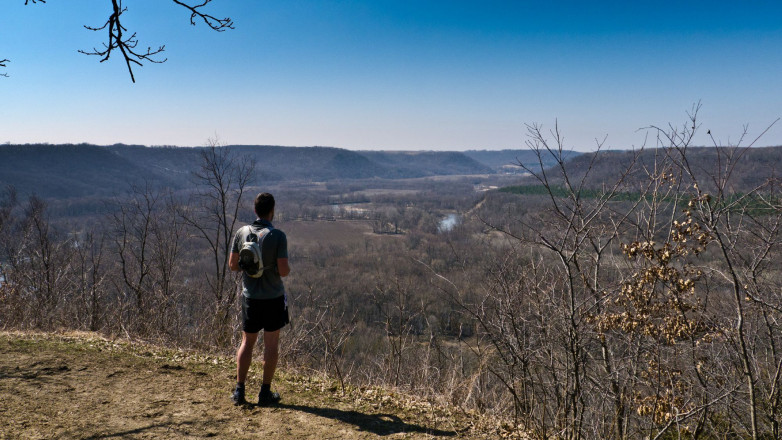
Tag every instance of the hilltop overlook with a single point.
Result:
(81, 385)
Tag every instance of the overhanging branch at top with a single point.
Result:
(119, 38)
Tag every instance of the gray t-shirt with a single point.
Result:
(274, 246)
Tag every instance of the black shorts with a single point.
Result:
(264, 314)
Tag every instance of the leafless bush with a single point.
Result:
(642, 307)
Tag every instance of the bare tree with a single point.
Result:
(744, 230)
(148, 234)
(91, 278)
(8, 202)
(132, 222)
(393, 296)
(167, 236)
(222, 179)
(8, 292)
(40, 265)
(608, 318)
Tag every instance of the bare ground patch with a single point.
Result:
(82, 386)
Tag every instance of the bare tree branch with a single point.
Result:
(217, 24)
(126, 45)
(117, 39)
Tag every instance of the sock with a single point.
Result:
(239, 385)
(266, 388)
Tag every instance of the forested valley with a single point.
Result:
(616, 294)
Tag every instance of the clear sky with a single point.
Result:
(393, 74)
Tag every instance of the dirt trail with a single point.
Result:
(89, 388)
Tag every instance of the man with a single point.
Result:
(264, 304)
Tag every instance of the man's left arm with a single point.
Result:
(282, 267)
(282, 256)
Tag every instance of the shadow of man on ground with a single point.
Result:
(379, 424)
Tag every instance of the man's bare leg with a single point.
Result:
(244, 356)
(270, 355)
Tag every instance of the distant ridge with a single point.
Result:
(79, 170)
(752, 167)
(404, 164)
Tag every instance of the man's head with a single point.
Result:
(264, 205)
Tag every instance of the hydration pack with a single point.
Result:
(251, 253)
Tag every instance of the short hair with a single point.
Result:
(264, 204)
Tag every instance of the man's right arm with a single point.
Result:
(233, 259)
(233, 262)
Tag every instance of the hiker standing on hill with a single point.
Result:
(264, 304)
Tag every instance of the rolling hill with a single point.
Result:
(67, 171)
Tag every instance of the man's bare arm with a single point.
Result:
(233, 262)
(282, 267)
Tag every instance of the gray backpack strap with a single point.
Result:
(248, 231)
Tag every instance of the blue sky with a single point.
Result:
(397, 74)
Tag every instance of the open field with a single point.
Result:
(342, 232)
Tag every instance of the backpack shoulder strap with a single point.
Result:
(262, 237)
(255, 229)
(245, 232)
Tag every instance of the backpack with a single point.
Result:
(251, 253)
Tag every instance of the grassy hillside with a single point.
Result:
(80, 385)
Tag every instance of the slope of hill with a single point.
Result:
(505, 160)
(750, 168)
(310, 163)
(404, 164)
(175, 162)
(80, 385)
(63, 171)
